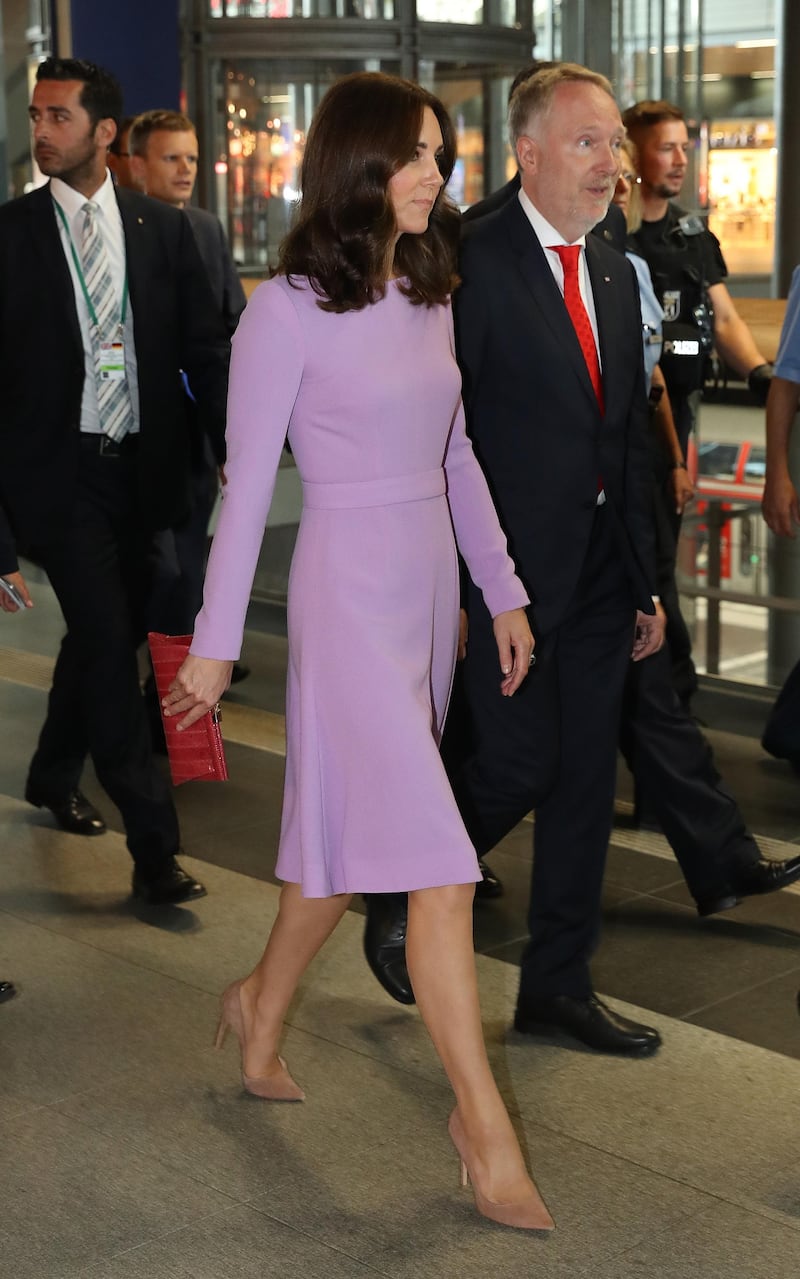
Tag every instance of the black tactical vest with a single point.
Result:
(681, 259)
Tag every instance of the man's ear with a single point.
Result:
(527, 154)
(105, 132)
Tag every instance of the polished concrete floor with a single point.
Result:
(128, 1149)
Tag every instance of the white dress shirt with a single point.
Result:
(109, 222)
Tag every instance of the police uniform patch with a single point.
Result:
(671, 303)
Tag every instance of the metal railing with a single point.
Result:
(717, 517)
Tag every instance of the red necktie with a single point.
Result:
(569, 254)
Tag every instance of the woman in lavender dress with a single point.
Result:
(350, 349)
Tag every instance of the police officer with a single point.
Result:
(688, 270)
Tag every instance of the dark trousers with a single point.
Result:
(98, 569)
(551, 747)
(179, 560)
(678, 781)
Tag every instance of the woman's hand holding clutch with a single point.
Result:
(197, 688)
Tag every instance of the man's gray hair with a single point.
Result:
(532, 100)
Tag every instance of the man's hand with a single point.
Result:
(682, 488)
(197, 688)
(6, 602)
(779, 504)
(515, 648)
(649, 635)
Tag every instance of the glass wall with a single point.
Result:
(258, 84)
(258, 145)
(364, 9)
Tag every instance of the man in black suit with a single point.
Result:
(662, 745)
(568, 465)
(163, 159)
(103, 300)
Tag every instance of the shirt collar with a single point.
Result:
(545, 233)
(72, 201)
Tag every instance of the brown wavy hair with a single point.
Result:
(365, 129)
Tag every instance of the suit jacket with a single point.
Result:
(533, 415)
(176, 326)
(222, 274)
(612, 229)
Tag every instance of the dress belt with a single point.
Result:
(388, 491)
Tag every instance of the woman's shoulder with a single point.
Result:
(279, 297)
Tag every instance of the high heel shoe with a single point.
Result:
(529, 1213)
(276, 1087)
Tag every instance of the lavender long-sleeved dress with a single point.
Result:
(372, 403)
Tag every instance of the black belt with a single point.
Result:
(103, 446)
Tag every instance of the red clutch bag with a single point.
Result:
(196, 753)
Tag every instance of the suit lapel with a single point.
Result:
(538, 277)
(605, 289)
(136, 228)
(48, 253)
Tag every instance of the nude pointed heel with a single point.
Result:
(278, 1086)
(529, 1213)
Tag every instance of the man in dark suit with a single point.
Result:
(103, 300)
(563, 443)
(163, 159)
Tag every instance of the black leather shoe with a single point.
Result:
(590, 1021)
(169, 887)
(762, 876)
(489, 886)
(385, 943)
(74, 813)
(7, 991)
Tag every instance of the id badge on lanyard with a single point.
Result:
(112, 360)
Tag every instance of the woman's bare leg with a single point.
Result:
(302, 927)
(441, 964)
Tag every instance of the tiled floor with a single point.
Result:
(128, 1149)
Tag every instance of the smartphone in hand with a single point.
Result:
(13, 593)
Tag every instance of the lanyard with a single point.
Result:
(79, 269)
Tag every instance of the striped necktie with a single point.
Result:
(113, 394)
(569, 255)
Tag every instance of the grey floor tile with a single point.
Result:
(768, 1010)
(198, 1120)
(241, 1243)
(706, 1111)
(599, 1204)
(666, 959)
(85, 1015)
(718, 1244)
(70, 1194)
